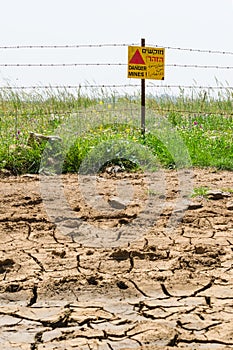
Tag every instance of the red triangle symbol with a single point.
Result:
(137, 58)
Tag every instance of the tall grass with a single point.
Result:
(204, 122)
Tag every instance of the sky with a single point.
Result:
(195, 24)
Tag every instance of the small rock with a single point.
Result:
(114, 169)
(39, 138)
(194, 205)
(71, 223)
(5, 173)
(30, 176)
(230, 205)
(216, 194)
(117, 203)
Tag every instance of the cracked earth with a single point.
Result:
(163, 290)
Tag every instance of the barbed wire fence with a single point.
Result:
(115, 87)
(106, 64)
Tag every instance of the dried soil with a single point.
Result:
(164, 289)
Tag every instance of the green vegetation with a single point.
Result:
(228, 189)
(203, 122)
(200, 191)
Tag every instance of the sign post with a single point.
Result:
(143, 100)
(145, 63)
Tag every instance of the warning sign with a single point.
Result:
(146, 62)
(137, 58)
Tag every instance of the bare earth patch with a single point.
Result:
(160, 291)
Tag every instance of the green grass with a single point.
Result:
(203, 122)
(200, 191)
(228, 189)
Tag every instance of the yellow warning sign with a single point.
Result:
(146, 62)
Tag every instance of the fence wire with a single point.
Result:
(195, 50)
(175, 65)
(63, 46)
(107, 86)
(77, 46)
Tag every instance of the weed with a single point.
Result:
(206, 128)
(228, 190)
(200, 191)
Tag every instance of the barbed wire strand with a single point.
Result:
(80, 86)
(64, 46)
(107, 64)
(195, 50)
(59, 64)
(198, 66)
(76, 46)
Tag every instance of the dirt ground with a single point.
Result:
(164, 289)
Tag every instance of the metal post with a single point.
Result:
(143, 100)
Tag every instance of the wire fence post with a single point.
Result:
(143, 100)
